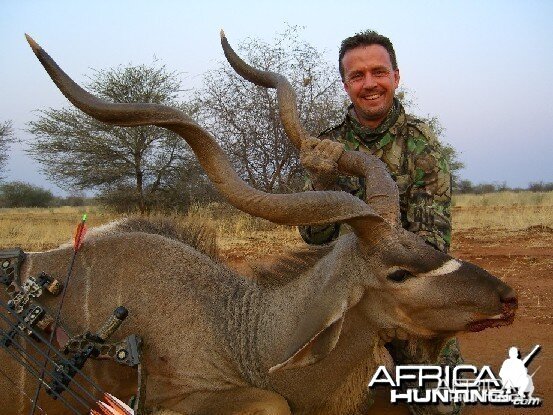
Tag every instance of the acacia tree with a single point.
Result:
(244, 117)
(6, 138)
(78, 152)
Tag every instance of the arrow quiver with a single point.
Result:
(32, 320)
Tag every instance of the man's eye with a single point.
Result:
(356, 77)
(379, 73)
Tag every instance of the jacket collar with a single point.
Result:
(395, 116)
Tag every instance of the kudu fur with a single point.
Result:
(306, 342)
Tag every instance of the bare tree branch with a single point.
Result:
(6, 139)
(245, 118)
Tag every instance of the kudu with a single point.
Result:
(304, 342)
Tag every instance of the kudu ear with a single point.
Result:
(314, 347)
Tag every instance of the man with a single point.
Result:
(376, 123)
(514, 374)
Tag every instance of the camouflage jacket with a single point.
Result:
(412, 154)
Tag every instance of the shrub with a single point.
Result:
(20, 194)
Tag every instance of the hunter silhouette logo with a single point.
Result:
(425, 384)
(514, 373)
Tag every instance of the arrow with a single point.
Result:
(112, 406)
(78, 241)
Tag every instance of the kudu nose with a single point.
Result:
(509, 301)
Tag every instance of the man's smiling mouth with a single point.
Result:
(371, 97)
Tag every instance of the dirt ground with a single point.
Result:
(523, 259)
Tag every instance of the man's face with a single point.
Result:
(370, 82)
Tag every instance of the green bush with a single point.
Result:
(20, 194)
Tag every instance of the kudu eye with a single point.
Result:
(399, 276)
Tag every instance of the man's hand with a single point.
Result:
(320, 159)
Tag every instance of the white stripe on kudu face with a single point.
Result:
(447, 268)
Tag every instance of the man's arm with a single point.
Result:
(318, 234)
(319, 157)
(427, 200)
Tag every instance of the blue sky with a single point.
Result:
(484, 68)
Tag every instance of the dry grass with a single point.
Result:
(503, 210)
(41, 229)
(37, 229)
(251, 236)
(506, 198)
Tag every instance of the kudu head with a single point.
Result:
(409, 286)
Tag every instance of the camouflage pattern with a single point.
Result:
(412, 154)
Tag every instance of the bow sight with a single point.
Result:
(29, 323)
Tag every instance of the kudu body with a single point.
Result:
(306, 342)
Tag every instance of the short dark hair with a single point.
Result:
(366, 38)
